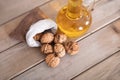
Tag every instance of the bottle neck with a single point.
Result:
(74, 8)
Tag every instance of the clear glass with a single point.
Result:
(89, 4)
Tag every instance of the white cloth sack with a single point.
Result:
(39, 27)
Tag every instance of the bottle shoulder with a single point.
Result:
(83, 14)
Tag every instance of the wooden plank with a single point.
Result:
(18, 58)
(10, 9)
(107, 70)
(106, 13)
(5, 30)
(24, 66)
(93, 49)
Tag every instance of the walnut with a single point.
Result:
(47, 37)
(46, 49)
(60, 38)
(59, 50)
(72, 48)
(52, 60)
(37, 37)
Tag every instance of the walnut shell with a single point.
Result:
(37, 36)
(72, 48)
(60, 38)
(59, 50)
(46, 49)
(52, 60)
(47, 37)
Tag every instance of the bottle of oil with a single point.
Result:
(74, 19)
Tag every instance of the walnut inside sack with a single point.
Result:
(40, 27)
(37, 36)
(52, 60)
(47, 37)
(72, 48)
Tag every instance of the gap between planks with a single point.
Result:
(95, 65)
(99, 28)
(107, 70)
(30, 67)
(10, 47)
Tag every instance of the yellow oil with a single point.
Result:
(74, 19)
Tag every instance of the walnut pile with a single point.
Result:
(55, 47)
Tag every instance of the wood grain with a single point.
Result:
(5, 30)
(10, 9)
(13, 71)
(93, 49)
(107, 70)
(18, 58)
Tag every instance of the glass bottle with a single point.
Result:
(74, 19)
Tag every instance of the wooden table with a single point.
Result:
(98, 58)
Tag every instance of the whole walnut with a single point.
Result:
(60, 38)
(59, 50)
(52, 60)
(47, 37)
(72, 48)
(46, 49)
(37, 36)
